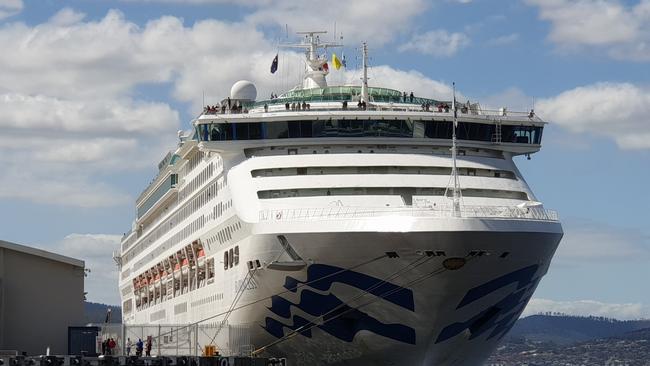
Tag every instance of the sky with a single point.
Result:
(92, 94)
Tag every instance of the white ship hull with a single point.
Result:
(382, 311)
(449, 318)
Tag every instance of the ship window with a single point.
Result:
(225, 260)
(241, 131)
(276, 130)
(293, 128)
(363, 128)
(235, 257)
(230, 255)
(255, 131)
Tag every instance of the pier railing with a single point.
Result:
(339, 212)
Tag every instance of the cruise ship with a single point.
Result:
(341, 225)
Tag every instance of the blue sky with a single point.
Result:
(93, 92)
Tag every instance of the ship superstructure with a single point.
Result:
(342, 224)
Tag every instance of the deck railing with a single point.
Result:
(337, 213)
(397, 107)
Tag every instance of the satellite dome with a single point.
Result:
(243, 90)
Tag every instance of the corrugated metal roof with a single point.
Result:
(41, 253)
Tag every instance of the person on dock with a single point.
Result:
(138, 347)
(128, 347)
(111, 346)
(148, 349)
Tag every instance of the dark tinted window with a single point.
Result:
(367, 128)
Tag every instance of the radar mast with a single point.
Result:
(314, 64)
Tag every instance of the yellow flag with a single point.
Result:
(336, 62)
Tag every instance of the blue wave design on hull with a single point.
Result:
(345, 322)
(317, 273)
(501, 316)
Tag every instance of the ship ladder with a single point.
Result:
(496, 136)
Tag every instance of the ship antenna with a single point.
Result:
(364, 84)
(456, 191)
(315, 69)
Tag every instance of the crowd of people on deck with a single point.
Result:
(304, 106)
(230, 106)
(226, 106)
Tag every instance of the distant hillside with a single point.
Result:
(631, 348)
(96, 313)
(637, 334)
(565, 329)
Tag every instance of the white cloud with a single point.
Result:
(626, 311)
(408, 81)
(615, 110)
(588, 241)
(67, 16)
(38, 112)
(379, 24)
(360, 20)
(503, 40)
(97, 251)
(10, 8)
(439, 43)
(71, 115)
(622, 30)
(514, 99)
(57, 184)
(206, 2)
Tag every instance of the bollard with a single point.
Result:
(208, 361)
(17, 361)
(51, 361)
(134, 361)
(108, 361)
(162, 361)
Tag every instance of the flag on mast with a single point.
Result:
(274, 64)
(453, 106)
(336, 62)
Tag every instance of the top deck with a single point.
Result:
(345, 100)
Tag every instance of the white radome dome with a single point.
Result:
(244, 90)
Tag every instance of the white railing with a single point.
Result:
(498, 212)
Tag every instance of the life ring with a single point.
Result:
(223, 362)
